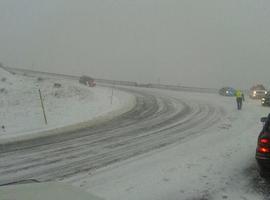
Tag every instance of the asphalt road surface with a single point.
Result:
(156, 121)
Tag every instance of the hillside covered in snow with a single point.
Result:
(66, 102)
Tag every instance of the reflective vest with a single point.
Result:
(238, 94)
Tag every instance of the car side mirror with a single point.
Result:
(263, 119)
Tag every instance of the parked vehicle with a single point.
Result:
(257, 91)
(263, 148)
(227, 91)
(265, 101)
(86, 80)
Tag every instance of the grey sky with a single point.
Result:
(208, 43)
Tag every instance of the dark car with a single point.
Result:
(227, 91)
(257, 91)
(263, 148)
(86, 80)
(266, 99)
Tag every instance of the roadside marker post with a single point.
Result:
(42, 105)
(112, 95)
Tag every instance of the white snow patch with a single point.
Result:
(72, 104)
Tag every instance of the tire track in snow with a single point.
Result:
(156, 121)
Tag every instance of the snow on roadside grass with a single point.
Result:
(66, 102)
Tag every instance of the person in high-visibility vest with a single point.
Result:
(239, 99)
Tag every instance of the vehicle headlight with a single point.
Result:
(227, 92)
(265, 92)
(254, 92)
(263, 99)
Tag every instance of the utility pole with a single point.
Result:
(42, 105)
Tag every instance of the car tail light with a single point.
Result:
(264, 145)
(264, 150)
(264, 141)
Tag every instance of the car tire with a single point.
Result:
(263, 172)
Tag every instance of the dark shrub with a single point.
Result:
(3, 91)
(40, 79)
(57, 85)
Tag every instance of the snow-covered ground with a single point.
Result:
(218, 164)
(69, 104)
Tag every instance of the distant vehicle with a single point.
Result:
(265, 101)
(227, 91)
(86, 80)
(263, 148)
(257, 92)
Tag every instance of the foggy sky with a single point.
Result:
(208, 43)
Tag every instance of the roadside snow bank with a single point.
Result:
(68, 105)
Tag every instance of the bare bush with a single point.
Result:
(3, 91)
(57, 85)
(57, 94)
(40, 79)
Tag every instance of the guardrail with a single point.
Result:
(112, 82)
(29, 72)
(184, 88)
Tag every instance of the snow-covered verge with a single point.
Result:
(68, 105)
(219, 164)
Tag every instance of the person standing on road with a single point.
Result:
(239, 99)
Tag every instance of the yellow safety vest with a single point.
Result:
(238, 94)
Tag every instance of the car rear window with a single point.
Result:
(258, 87)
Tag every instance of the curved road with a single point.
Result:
(156, 121)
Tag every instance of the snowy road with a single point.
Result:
(172, 145)
(156, 121)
